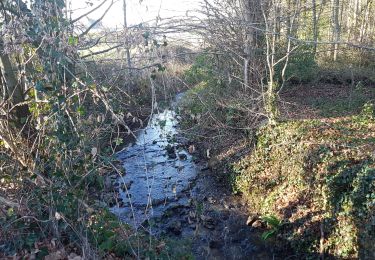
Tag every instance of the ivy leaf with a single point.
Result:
(81, 110)
(73, 41)
(161, 68)
(10, 212)
(118, 141)
(146, 34)
(155, 42)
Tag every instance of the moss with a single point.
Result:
(319, 177)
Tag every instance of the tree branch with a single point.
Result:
(101, 52)
(8, 202)
(97, 21)
(89, 12)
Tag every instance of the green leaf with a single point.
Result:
(118, 141)
(267, 234)
(73, 40)
(10, 212)
(107, 245)
(43, 252)
(146, 35)
(161, 68)
(272, 221)
(81, 110)
(23, 120)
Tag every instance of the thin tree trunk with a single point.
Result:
(271, 94)
(315, 26)
(128, 57)
(247, 36)
(335, 27)
(13, 87)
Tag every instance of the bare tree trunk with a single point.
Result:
(364, 24)
(271, 94)
(335, 27)
(13, 87)
(250, 10)
(315, 26)
(128, 58)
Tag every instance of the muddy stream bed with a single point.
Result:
(167, 192)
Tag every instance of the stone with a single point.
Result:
(205, 168)
(208, 222)
(251, 219)
(182, 156)
(175, 228)
(111, 202)
(58, 255)
(180, 168)
(193, 226)
(211, 200)
(257, 224)
(170, 149)
(215, 244)
(172, 156)
(73, 256)
(191, 149)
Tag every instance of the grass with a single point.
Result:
(318, 177)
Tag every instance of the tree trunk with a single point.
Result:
(335, 27)
(249, 13)
(13, 87)
(315, 26)
(128, 58)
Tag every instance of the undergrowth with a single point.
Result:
(318, 177)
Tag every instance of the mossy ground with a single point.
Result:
(318, 177)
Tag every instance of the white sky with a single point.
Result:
(137, 12)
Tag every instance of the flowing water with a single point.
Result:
(164, 192)
(159, 171)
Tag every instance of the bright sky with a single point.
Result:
(137, 12)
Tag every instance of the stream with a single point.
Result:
(167, 192)
(159, 171)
